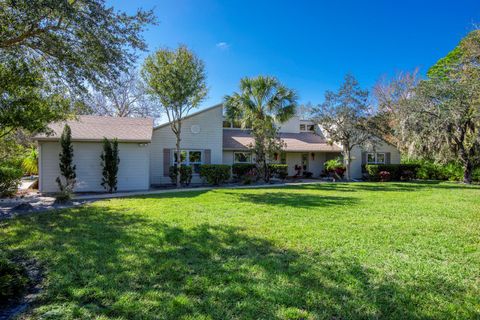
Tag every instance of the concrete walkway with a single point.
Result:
(161, 191)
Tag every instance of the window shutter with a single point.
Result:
(387, 157)
(166, 162)
(207, 156)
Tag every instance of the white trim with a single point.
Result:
(375, 156)
(187, 160)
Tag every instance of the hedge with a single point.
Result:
(215, 174)
(185, 174)
(9, 180)
(397, 171)
(278, 170)
(239, 170)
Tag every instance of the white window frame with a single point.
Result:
(245, 152)
(375, 157)
(187, 158)
(304, 127)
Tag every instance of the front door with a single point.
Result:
(304, 162)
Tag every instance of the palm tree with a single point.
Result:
(261, 103)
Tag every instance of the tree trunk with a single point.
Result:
(347, 159)
(467, 172)
(179, 158)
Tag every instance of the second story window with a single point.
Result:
(307, 127)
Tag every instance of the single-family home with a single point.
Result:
(147, 152)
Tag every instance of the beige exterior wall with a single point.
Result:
(210, 136)
(356, 165)
(132, 172)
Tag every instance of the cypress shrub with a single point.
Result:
(110, 161)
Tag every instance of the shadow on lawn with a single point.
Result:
(388, 186)
(292, 199)
(110, 263)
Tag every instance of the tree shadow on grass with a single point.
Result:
(293, 199)
(109, 263)
(388, 186)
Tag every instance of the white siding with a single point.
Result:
(356, 165)
(210, 137)
(132, 172)
(292, 125)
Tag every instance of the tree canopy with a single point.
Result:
(77, 41)
(175, 79)
(261, 103)
(26, 101)
(343, 115)
(443, 114)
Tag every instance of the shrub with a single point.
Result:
(185, 175)
(9, 181)
(110, 161)
(395, 170)
(239, 170)
(335, 168)
(13, 278)
(476, 175)
(250, 176)
(384, 176)
(30, 162)
(407, 175)
(215, 174)
(67, 168)
(307, 174)
(278, 170)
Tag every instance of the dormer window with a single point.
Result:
(307, 127)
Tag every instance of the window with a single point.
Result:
(242, 157)
(283, 158)
(191, 158)
(375, 158)
(307, 127)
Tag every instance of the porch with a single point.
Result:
(301, 162)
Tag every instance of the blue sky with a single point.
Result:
(307, 45)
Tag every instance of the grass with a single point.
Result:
(326, 251)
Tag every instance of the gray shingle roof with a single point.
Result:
(95, 128)
(295, 142)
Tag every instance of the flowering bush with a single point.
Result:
(384, 176)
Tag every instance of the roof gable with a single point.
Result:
(95, 128)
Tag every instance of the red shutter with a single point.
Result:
(207, 156)
(166, 162)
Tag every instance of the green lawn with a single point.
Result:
(326, 251)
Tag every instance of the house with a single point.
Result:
(146, 152)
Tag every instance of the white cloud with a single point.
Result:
(222, 46)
